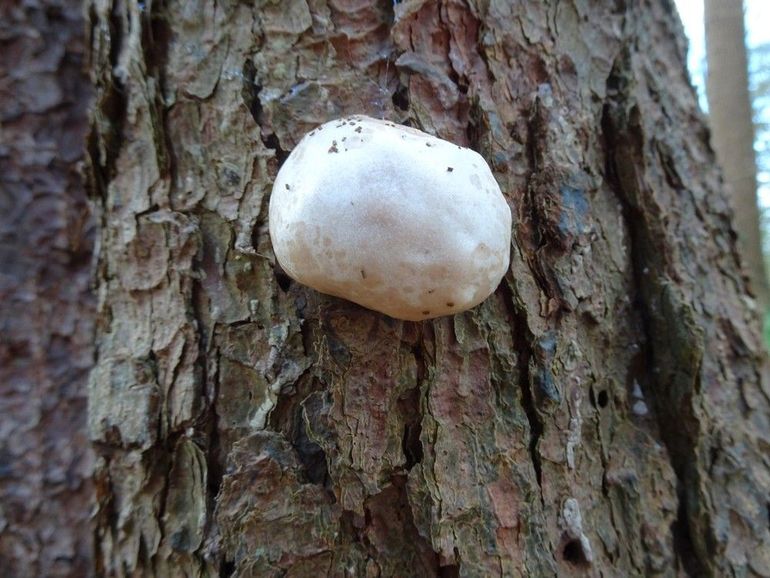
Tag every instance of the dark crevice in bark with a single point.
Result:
(544, 238)
(106, 518)
(156, 38)
(116, 33)
(410, 442)
(522, 346)
(214, 458)
(288, 417)
(680, 529)
(250, 91)
(623, 136)
(208, 354)
(534, 374)
(476, 130)
(283, 280)
(409, 408)
(683, 543)
(400, 98)
(250, 95)
(271, 142)
(311, 455)
(112, 108)
(226, 568)
(390, 10)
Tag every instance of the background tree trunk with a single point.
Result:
(604, 413)
(730, 117)
(46, 307)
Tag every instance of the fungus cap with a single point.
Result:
(391, 218)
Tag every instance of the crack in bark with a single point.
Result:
(623, 136)
(250, 94)
(410, 406)
(523, 347)
(156, 38)
(109, 117)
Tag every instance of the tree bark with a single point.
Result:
(47, 309)
(605, 412)
(732, 127)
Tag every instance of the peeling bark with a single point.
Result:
(605, 412)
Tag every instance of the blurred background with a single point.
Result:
(734, 91)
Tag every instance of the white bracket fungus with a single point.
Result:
(391, 218)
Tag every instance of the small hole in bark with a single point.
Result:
(603, 399)
(401, 98)
(227, 569)
(573, 553)
(451, 571)
(272, 142)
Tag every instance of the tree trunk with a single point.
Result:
(733, 130)
(47, 309)
(605, 412)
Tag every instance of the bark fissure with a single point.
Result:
(624, 136)
(523, 345)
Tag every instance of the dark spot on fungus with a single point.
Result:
(363, 274)
(427, 144)
(449, 169)
(450, 304)
(333, 148)
(288, 188)
(358, 129)
(426, 312)
(430, 291)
